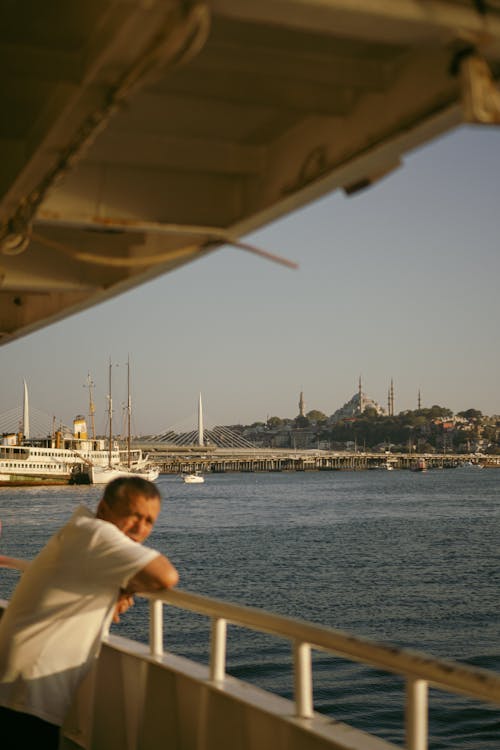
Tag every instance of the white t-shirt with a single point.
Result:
(61, 608)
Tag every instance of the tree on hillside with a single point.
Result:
(439, 411)
(316, 416)
(470, 414)
(273, 422)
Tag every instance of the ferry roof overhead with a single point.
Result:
(137, 135)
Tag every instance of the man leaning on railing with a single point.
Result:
(84, 577)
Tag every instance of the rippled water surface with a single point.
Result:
(400, 556)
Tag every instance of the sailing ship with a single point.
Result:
(136, 465)
(104, 474)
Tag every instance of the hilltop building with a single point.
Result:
(356, 406)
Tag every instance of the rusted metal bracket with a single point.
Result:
(480, 94)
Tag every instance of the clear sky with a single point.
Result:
(400, 281)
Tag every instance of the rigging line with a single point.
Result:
(153, 260)
(107, 260)
(262, 253)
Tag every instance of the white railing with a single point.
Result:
(419, 670)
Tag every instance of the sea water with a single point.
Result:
(405, 557)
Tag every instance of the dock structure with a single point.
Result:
(218, 461)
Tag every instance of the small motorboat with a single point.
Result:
(195, 478)
(421, 465)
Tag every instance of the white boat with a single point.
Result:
(135, 465)
(470, 465)
(105, 474)
(195, 478)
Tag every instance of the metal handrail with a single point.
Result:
(419, 670)
(449, 675)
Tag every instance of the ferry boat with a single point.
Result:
(62, 459)
(73, 458)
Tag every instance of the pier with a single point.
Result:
(219, 461)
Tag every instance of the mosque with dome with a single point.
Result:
(360, 402)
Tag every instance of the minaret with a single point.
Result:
(26, 414)
(392, 398)
(200, 423)
(360, 395)
(388, 402)
(301, 404)
(419, 402)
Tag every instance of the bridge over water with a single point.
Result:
(208, 459)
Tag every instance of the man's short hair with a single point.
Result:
(124, 488)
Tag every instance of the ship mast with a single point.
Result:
(110, 412)
(129, 411)
(90, 385)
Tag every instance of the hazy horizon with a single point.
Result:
(399, 282)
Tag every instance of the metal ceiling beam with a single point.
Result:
(405, 21)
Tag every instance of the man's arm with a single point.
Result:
(157, 575)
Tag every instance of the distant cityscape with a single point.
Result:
(361, 423)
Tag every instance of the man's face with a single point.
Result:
(135, 516)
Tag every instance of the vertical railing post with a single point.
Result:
(416, 714)
(218, 649)
(303, 680)
(156, 627)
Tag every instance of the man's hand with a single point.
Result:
(125, 601)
